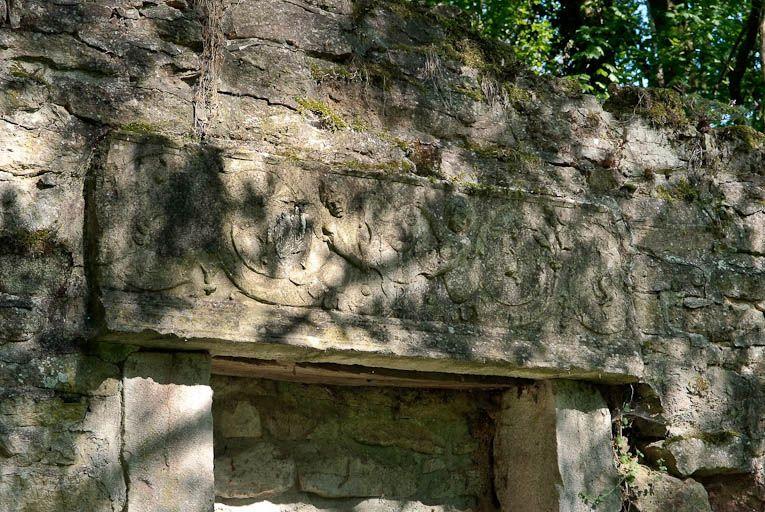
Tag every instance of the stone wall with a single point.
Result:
(337, 447)
(371, 184)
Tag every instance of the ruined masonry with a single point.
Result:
(324, 255)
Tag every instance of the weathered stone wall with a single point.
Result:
(334, 447)
(376, 186)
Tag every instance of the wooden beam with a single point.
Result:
(353, 375)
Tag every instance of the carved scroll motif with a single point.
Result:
(269, 251)
(368, 246)
(146, 265)
(378, 248)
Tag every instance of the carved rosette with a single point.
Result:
(269, 250)
(520, 263)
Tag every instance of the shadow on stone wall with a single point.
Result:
(68, 73)
(578, 267)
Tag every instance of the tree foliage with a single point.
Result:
(709, 48)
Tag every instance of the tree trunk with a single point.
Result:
(569, 20)
(751, 29)
(664, 72)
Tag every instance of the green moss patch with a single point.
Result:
(661, 107)
(328, 118)
(18, 71)
(751, 138)
(33, 244)
(516, 159)
(139, 128)
(336, 72)
(386, 166)
(681, 190)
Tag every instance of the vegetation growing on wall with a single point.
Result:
(710, 47)
(210, 14)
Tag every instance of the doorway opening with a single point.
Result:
(316, 438)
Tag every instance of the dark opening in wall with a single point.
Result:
(293, 446)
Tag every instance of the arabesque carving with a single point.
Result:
(371, 246)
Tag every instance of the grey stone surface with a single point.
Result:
(341, 252)
(377, 187)
(336, 447)
(726, 453)
(60, 408)
(365, 505)
(552, 450)
(257, 471)
(168, 436)
(242, 421)
(654, 491)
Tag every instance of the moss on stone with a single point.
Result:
(682, 190)
(517, 96)
(359, 124)
(472, 92)
(400, 143)
(491, 58)
(720, 437)
(570, 86)
(328, 118)
(139, 128)
(18, 71)
(661, 107)
(40, 241)
(751, 138)
(426, 158)
(383, 75)
(385, 166)
(336, 72)
(33, 244)
(517, 159)
(112, 352)
(470, 53)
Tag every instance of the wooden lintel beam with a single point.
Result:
(353, 375)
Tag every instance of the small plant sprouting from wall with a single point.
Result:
(627, 466)
(211, 16)
(626, 460)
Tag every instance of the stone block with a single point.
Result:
(697, 456)
(168, 443)
(553, 451)
(413, 284)
(259, 471)
(242, 421)
(357, 476)
(656, 492)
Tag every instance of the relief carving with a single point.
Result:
(521, 267)
(455, 260)
(270, 253)
(596, 290)
(371, 247)
(145, 265)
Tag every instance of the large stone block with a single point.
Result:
(263, 251)
(257, 471)
(168, 443)
(553, 451)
